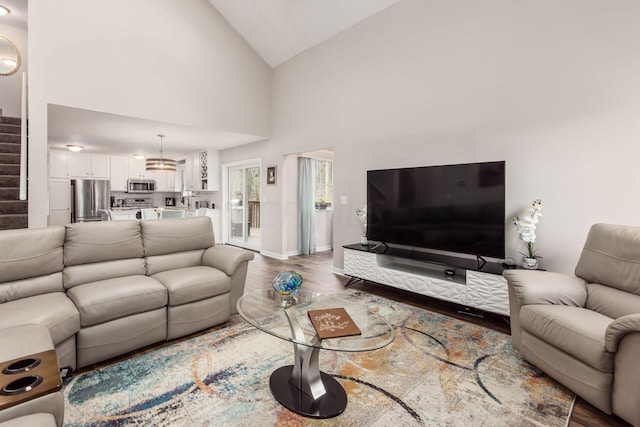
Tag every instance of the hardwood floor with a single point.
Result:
(317, 271)
(318, 274)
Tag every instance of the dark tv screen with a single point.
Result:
(454, 208)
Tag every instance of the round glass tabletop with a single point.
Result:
(262, 309)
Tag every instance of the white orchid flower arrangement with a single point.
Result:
(526, 226)
(362, 217)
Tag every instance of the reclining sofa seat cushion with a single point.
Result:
(574, 330)
(199, 295)
(121, 309)
(31, 286)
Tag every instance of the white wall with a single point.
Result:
(551, 87)
(163, 60)
(11, 86)
(290, 214)
(324, 232)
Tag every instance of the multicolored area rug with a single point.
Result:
(439, 371)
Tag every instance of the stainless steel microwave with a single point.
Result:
(141, 186)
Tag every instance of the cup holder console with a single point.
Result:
(28, 377)
(21, 385)
(22, 365)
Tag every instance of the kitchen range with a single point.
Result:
(133, 204)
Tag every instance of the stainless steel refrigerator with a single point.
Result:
(89, 200)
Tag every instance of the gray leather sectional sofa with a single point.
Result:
(103, 289)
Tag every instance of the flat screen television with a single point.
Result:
(453, 208)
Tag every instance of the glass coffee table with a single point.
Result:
(302, 387)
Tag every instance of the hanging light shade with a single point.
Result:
(160, 164)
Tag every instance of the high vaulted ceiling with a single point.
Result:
(280, 29)
(277, 29)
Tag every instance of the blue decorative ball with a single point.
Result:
(287, 282)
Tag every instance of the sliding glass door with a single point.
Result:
(243, 205)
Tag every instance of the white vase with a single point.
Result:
(364, 241)
(530, 263)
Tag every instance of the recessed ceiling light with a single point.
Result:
(74, 148)
(4, 11)
(10, 62)
(138, 156)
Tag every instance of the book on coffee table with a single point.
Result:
(333, 323)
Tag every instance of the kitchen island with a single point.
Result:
(124, 213)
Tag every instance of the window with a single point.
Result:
(324, 184)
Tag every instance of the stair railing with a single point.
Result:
(23, 140)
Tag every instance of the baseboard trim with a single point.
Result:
(274, 255)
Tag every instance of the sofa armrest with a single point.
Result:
(544, 287)
(626, 382)
(619, 328)
(234, 262)
(226, 258)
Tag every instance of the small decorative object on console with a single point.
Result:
(286, 285)
(526, 226)
(333, 323)
(362, 217)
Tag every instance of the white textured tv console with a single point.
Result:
(479, 289)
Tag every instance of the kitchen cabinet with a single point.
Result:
(92, 166)
(165, 181)
(180, 175)
(171, 182)
(58, 164)
(137, 169)
(59, 201)
(119, 172)
(100, 166)
(188, 173)
(199, 171)
(161, 180)
(192, 172)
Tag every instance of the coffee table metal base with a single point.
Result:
(331, 404)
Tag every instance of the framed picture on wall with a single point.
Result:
(271, 175)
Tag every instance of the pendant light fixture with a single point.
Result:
(160, 164)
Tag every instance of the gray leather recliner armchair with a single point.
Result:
(584, 330)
